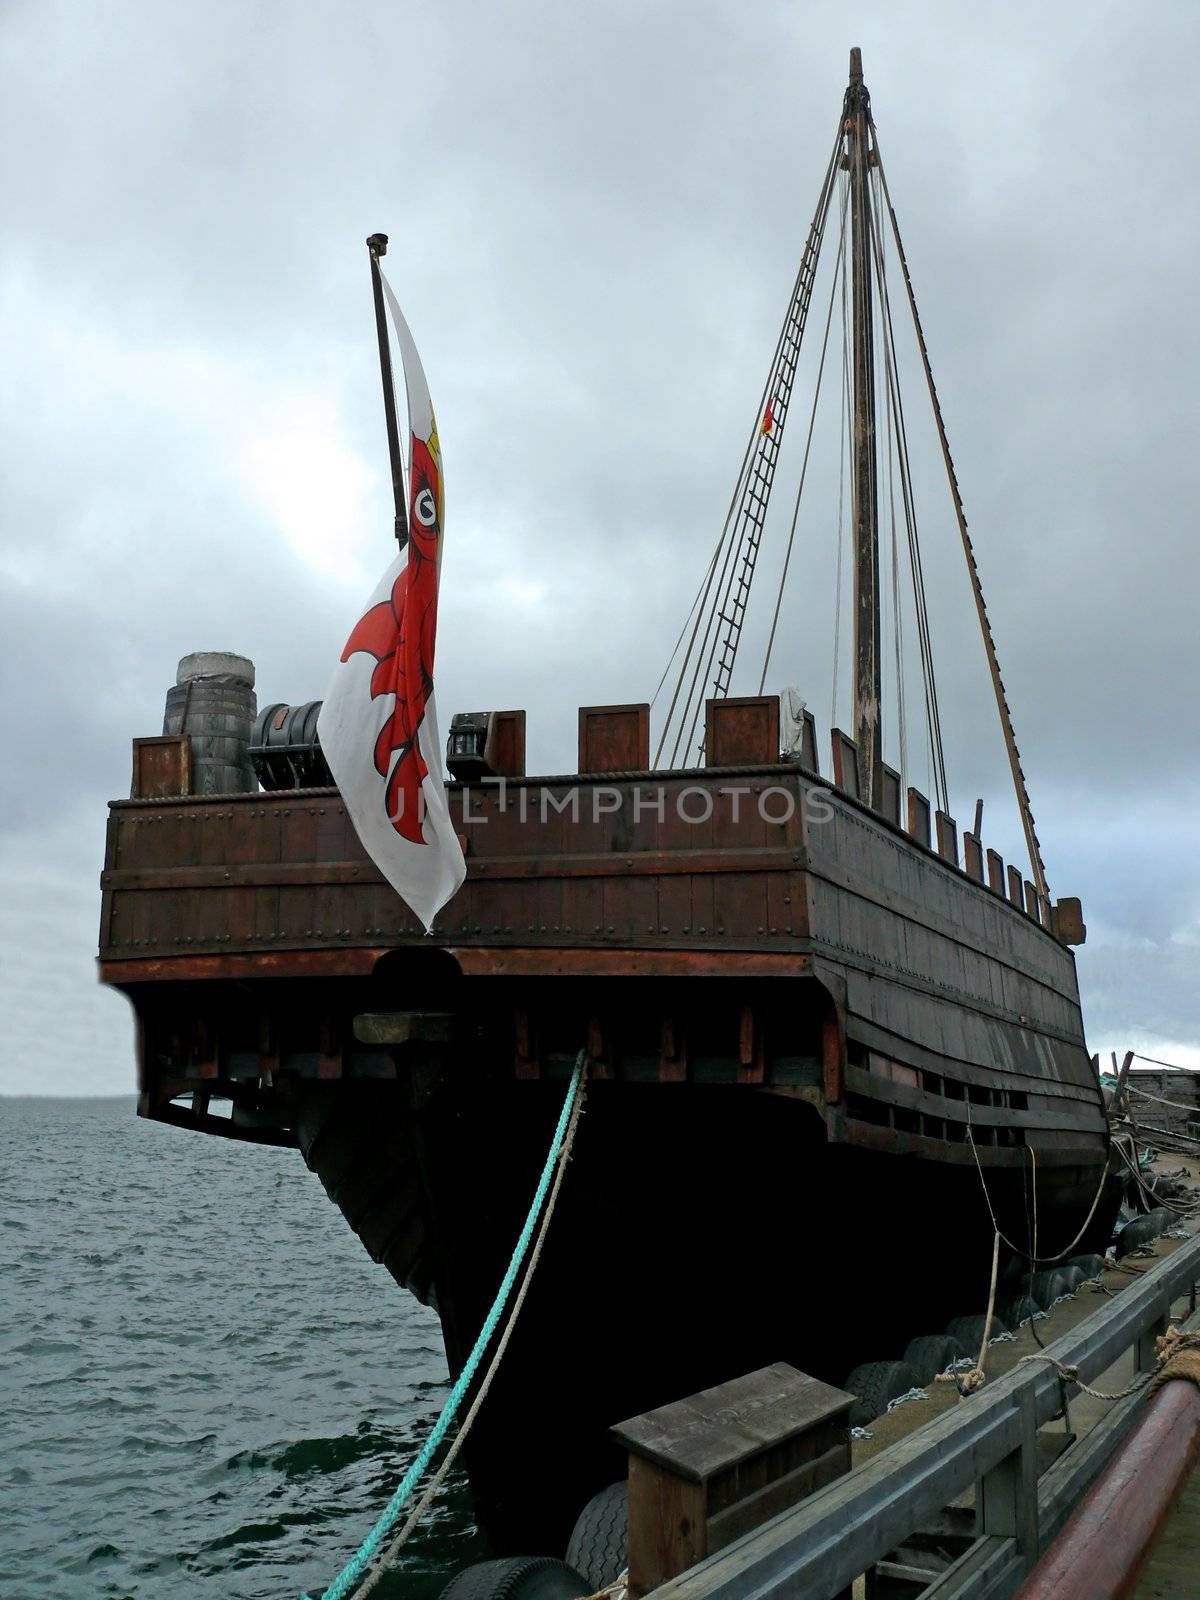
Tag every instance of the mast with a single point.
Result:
(868, 735)
(376, 247)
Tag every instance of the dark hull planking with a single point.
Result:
(702, 1232)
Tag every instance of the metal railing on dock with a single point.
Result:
(989, 1444)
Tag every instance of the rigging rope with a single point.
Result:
(1176, 1105)
(1037, 865)
(908, 500)
(897, 617)
(706, 587)
(807, 447)
(356, 1567)
(1169, 1064)
(739, 564)
(686, 620)
(1152, 1199)
(689, 696)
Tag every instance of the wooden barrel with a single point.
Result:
(213, 702)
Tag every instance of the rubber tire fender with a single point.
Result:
(599, 1545)
(1090, 1266)
(1014, 1274)
(1045, 1288)
(932, 1353)
(874, 1384)
(1017, 1310)
(517, 1578)
(1133, 1235)
(969, 1330)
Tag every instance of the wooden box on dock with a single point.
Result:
(707, 1469)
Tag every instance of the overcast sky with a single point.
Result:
(596, 213)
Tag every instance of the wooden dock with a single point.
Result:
(1173, 1571)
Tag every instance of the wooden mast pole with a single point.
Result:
(376, 247)
(868, 734)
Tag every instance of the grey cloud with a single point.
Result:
(596, 214)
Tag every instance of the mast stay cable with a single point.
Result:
(742, 555)
(718, 620)
(908, 501)
(691, 612)
(807, 444)
(1037, 865)
(897, 615)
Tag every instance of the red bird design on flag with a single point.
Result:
(399, 632)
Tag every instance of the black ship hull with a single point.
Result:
(702, 1232)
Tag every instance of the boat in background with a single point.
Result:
(831, 1042)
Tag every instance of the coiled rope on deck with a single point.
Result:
(356, 1567)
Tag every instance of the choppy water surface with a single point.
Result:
(206, 1386)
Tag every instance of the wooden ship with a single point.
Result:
(819, 1022)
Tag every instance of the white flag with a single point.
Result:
(378, 725)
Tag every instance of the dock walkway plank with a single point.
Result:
(1173, 1571)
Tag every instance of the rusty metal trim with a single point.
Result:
(351, 962)
(552, 961)
(645, 863)
(666, 775)
(489, 960)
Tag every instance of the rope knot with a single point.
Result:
(968, 1382)
(1178, 1356)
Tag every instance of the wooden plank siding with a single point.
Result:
(939, 973)
(611, 867)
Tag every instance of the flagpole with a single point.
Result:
(376, 247)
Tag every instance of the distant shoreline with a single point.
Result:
(70, 1098)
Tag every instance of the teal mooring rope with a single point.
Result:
(357, 1565)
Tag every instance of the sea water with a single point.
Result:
(207, 1388)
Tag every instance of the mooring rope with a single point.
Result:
(1148, 1194)
(1176, 1105)
(356, 1567)
(1171, 1065)
(1042, 1261)
(967, 1382)
(1177, 1355)
(386, 1558)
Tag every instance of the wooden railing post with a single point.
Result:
(1145, 1352)
(1006, 1499)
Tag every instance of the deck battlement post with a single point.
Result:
(741, 730)
(614, 738)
